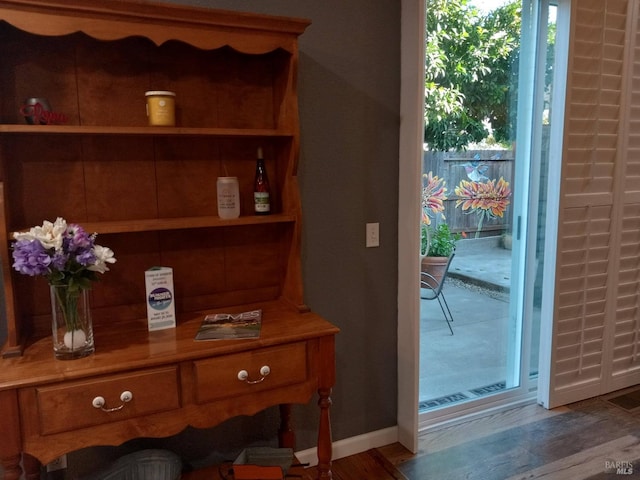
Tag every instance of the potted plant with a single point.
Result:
(442, 241)
(438, 244)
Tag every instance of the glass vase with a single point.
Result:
(71, 322)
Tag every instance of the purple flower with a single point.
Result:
(59, 261)
(61, 252)
(86, 257)
(31, 258)
(76, 239)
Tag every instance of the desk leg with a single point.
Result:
(31, 467)
(12, 470)
(324, 434)
(286, 434)
(10, 453)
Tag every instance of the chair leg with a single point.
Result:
(446, 305)
(444, 312)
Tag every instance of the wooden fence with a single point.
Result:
(472, 165)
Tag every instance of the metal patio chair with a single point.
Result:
(431, 289)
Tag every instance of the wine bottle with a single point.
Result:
(261, 195)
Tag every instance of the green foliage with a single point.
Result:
(441, 241)
(471, 70)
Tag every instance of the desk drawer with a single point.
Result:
(70, 406)
(221, 377)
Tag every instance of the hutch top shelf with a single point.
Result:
(117, 19)
(149, 192)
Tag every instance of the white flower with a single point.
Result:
(103, 255)
(49, 234)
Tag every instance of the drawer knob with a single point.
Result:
(243, 375)
(99, 402)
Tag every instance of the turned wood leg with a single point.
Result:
(31, 467)
(11, 465)
(10, 449)
(286, 434)
(324, 434)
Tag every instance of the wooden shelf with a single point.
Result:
(142, 131)
(160, 224)
(130, 342)
(160, 23)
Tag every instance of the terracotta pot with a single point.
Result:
(435, 266)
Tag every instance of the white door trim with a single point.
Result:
(410, 168)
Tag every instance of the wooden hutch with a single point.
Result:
(150, 194)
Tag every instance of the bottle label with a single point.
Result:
(262, 202)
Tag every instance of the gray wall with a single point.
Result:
(349, 85)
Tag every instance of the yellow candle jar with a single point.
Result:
(161, 108)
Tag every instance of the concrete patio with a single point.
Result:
(472, 362)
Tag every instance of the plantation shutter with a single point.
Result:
(624, 341)
(595, 343)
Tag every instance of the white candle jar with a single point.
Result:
(228, 197)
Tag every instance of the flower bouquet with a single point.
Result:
(70, 260)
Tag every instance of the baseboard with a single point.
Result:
(352, 445)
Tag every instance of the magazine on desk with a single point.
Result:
(226, 326)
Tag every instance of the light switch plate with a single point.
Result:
(373, 235)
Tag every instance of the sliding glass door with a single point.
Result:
(494, 194)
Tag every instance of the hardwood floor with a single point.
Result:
(373, 464)
(586, 440)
